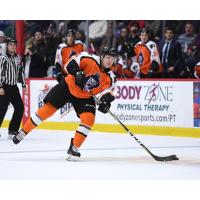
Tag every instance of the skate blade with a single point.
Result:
(72, 158)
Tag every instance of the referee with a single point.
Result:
(11, 72)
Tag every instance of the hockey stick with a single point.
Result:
(158, 158)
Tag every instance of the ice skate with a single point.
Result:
(11, 134)
(73, 154)
(20, 136)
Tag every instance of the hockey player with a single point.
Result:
(65, 51)
(147, 56)
(88, 75)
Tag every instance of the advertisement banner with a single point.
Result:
(153, 103)
(148, 103)
(196, 104)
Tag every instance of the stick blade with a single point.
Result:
(166, 158)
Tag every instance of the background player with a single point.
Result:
(147, 56)
(65, 51)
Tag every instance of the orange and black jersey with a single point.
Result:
(90, 64)
(64, 52)
(145, 54)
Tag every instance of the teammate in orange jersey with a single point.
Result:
(147, 56)
(65, 51)
(88, 75)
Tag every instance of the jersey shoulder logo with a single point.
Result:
(152, 46)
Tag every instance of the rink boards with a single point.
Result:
(150, 107)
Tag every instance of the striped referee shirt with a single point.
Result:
(11, 70)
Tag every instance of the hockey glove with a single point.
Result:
(79, 79)
(59, 76)
(155, 66)
(105, 102)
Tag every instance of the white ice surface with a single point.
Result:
(41, 155)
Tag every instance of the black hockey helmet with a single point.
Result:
(145, 30)
(8, 40)
(70, 32)
(109, 51)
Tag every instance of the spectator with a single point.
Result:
(51, 42)
(37, 52)
(122, 45)
(97, 32)
(6, 26)
(170, 55)
(2, 43)
(80, 35)
(153, 25)
(191, 60)
(194, 53)
(124, 48)
(61, 31)
(179, 25)
(147, 56)
(187, 38)
(134, 34)
(29, 37)
(196, 42)
(83, 25)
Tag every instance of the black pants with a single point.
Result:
(12, 96)
(60, 95)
